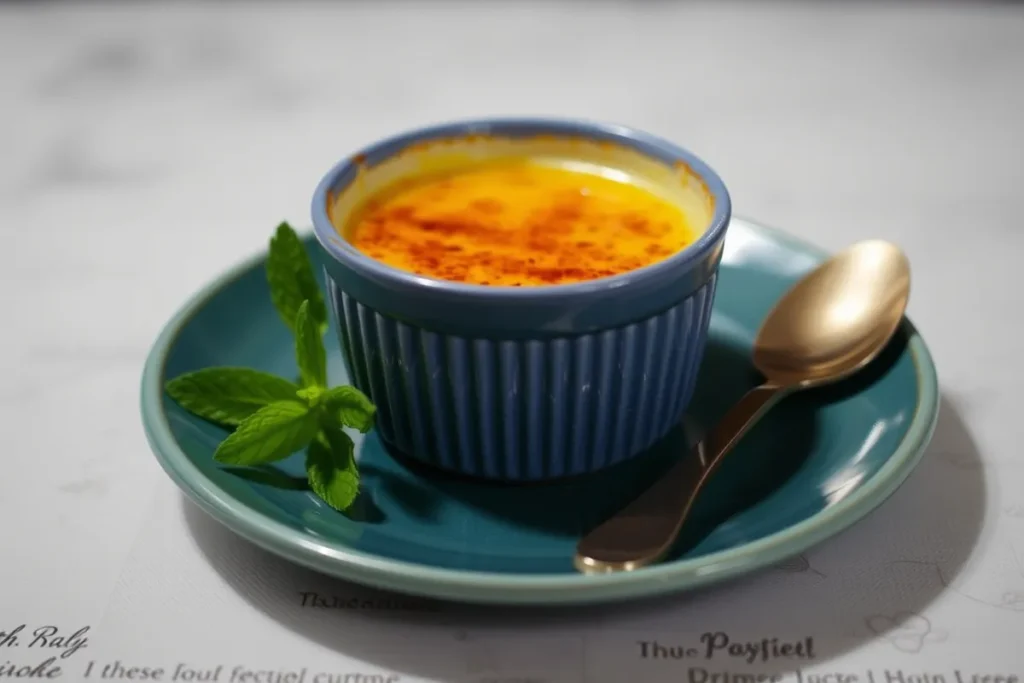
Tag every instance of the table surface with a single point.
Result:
(131, 132)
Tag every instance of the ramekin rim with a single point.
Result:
(363, 265)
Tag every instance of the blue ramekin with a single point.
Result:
(521, 383)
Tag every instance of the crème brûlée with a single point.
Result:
(520, 223)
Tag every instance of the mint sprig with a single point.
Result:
(309, 349)
(274, 417)
(229, 395)
(271, 433)
(291, 279)
(331, 468)
(350, 407)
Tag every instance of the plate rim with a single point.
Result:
(333, 558)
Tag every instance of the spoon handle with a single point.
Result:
(644, 531)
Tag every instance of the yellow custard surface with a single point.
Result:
(520, 223)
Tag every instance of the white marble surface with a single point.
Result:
(144, 147)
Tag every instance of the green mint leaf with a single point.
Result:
(228, 395)
(350, 407)
(291, 279)
(309, 349)
(312, 395)
(272, 433)
(331, 469)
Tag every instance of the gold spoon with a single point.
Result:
(830, 324)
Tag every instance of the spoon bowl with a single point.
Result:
(826, 327)
(836, 319)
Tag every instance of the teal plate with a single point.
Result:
(816, 464)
